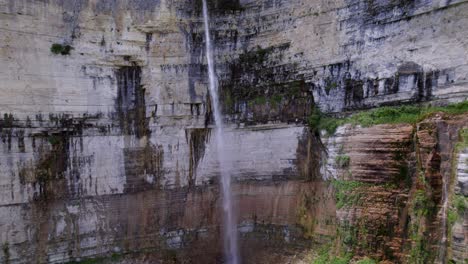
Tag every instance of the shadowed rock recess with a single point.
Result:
(107, 152)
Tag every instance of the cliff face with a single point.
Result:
(107, 149)
(396, 189)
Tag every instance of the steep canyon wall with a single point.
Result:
(106, 141)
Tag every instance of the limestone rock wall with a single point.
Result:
(348, 55)
(106, 149)
(106, 139)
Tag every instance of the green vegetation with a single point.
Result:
(383, 115)
(342, 161)
(423, 208)
(319, 121)
(452, 217)
(463, 143)
(387, 115)
(331, 260)
(61, 49)
(366, 261)
(315, 120)
(456, 211)
(324, 257)
(348, 234)
(422, 177)
(419, 253)
(275, 100)
(346, 192)
(461, 203)
(423, 205)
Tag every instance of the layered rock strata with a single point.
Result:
(106, 126)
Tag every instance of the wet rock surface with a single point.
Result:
(105, 128)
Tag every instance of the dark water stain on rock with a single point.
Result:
(197, 71)
(217, 7)
(379, 11)
(130, 104)
(354, 92)
(196, 139)
(258, 87)
(143, 167)
(6, 129)
(310, 152)
(20, 137)
(47, 172)
(342, 85)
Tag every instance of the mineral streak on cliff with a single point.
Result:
(107, 154)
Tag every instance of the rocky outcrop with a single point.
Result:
(392, 183)
(105, 127)
(349, 54)
(372, 178)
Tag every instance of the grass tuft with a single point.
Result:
(346, 193)
(383, 115)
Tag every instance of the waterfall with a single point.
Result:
(229, 221)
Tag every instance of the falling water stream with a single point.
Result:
(229, 225)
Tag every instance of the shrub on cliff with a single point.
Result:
(461, 203)
(61, 49)
(318, 121)
(384, 115)
(347, 192)
(325, 257)
(403, 114)
(387, 115)
(342, 161)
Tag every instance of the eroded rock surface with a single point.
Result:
(105, 127)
